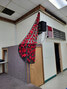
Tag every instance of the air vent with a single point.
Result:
(59, 34)
(8, 11)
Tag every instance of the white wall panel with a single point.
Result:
(64, 54)
(24, 27)
(7, 35)
(48, 48)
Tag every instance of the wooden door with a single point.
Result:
(36, 69)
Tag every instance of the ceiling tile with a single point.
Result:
(37, 1)
(1, 8)
(49, 6)
(64, 10)
(28, 5)
(12, 18)
(65, 19)
(4, 2)
(16, 8)
(6, 16)
(59, 14)
(16, 15)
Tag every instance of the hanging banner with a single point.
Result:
(27, 47)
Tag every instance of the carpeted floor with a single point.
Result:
(9, 82)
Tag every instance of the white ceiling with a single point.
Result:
(23, 6)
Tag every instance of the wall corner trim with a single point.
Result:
(7, 20)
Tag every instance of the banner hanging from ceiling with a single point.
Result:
(27, 47)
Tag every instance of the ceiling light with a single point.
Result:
(59, 3)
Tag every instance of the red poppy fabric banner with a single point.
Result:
(27, 47)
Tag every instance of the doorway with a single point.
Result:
(58, 58)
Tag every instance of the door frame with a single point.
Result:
(60, 55)
(3, 56)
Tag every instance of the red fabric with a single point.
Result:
(27, 46)
(50, 32)
(49, 28)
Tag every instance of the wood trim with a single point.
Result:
(28, 81)
(42, 63)
(31, 12)
(42, 8)
(4, 49)
(3, 56)
(7, 20)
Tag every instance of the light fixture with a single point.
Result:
(59, 3)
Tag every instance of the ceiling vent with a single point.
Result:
(8, 11)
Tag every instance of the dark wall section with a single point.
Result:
(16, 66)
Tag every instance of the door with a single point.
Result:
(58, 57)
(36, 69)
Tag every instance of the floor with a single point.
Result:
(59, 82)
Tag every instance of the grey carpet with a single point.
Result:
(16, 66)
(9, 82)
